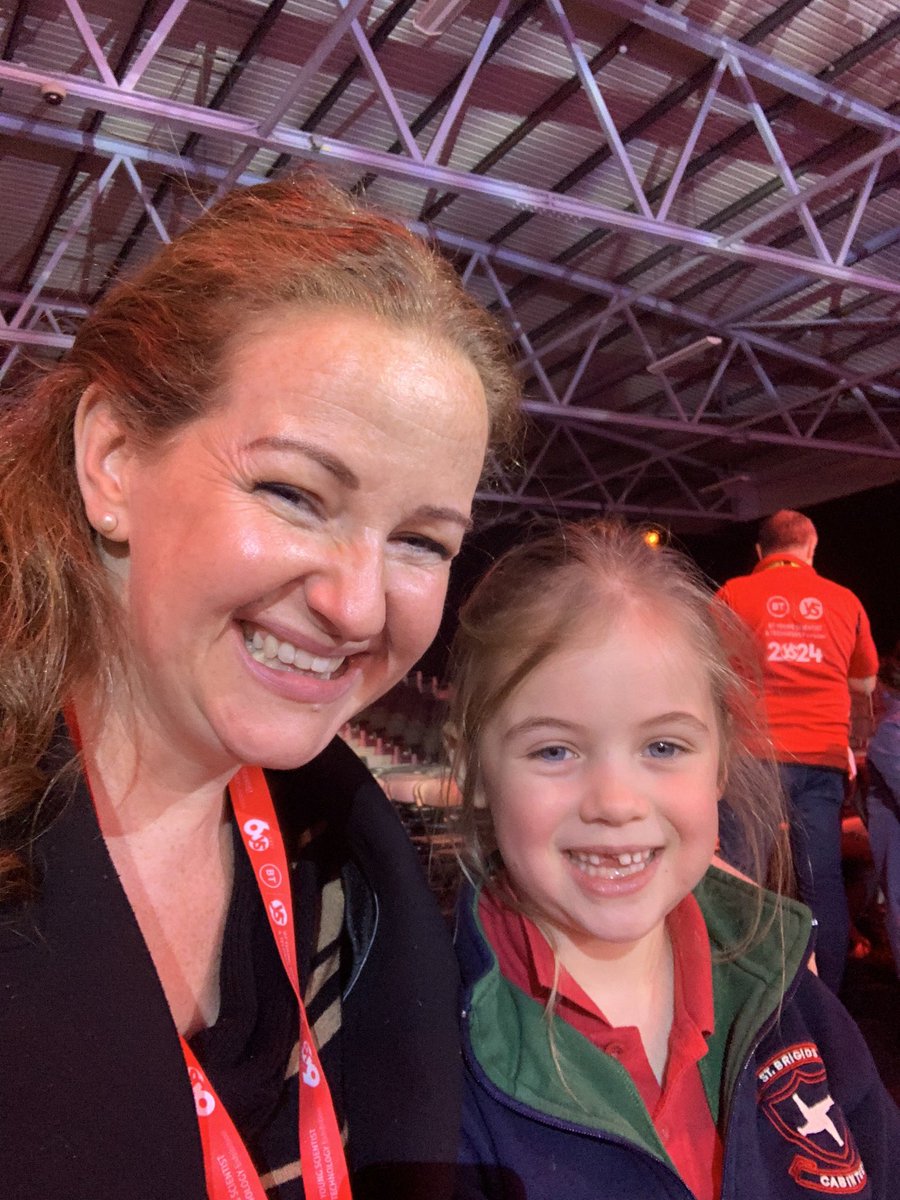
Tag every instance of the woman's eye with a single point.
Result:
(427, 545)
(663, 749)
(286, 491)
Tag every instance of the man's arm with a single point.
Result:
(865, 686)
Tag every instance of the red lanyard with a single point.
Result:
(230, 1174)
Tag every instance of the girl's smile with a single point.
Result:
(616, 868)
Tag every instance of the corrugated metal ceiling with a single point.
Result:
(780, 234)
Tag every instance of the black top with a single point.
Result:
(95, 1103)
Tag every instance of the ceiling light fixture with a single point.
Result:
(437, 15)
(678, 356)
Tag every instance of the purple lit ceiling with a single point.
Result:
(687, 213)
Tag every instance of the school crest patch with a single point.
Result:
(794, 1094)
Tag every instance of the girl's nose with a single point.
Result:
(347, 593)
(612, 796)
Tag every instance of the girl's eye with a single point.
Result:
(663, 749)
(552, 754)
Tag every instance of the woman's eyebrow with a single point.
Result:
(434, 512)
(338, 469)
(348, 478)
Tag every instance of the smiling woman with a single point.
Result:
(314, 510)
(226, 524)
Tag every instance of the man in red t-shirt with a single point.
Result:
(816, 647)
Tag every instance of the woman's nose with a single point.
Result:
(347, 592)
(612, 796)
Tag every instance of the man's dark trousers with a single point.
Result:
(815, 796)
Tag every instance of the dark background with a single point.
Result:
(859, 543)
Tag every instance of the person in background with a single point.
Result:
(815, 646)
(636, 1022)
(883, 796)
(226, 525)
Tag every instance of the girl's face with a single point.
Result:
(601, 775)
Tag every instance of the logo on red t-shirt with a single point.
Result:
(811, 607)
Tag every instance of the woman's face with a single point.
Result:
(288, 553)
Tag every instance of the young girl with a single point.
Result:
(637, 1023)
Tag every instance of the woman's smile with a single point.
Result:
(288, 555)
(282, 655)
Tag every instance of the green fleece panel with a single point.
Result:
(746, 991)
(592, 1090)
(512, 1044)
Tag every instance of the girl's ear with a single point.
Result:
(454, 755)
(479, 800)
(456, 759)
(102, 453)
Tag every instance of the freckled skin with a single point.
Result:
(340, 558)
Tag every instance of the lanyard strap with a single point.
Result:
(230, 1174)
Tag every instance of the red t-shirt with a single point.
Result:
(679, 1108)
(814, 635)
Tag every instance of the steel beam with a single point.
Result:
(696, 37)
(657, 306)
(246, 131)
(580, 280)
(739, 436)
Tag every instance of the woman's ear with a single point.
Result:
(102, 451)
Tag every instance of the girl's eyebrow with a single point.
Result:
(681, 718)
(530, 724)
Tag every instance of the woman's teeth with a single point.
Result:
(610, 866)
(282, 656)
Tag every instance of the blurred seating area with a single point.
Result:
(400, 738)
(404, 727)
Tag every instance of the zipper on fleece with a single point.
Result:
(729, 1160)
(535, 1114)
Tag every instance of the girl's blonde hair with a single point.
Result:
(530, 604)
(154, 346)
